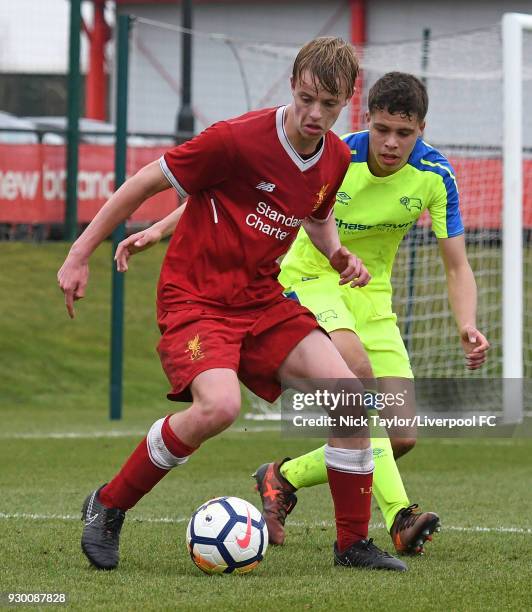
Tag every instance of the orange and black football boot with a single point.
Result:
(278, 499)
(411, 529)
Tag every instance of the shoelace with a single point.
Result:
(285, 506)
(408, 516)
(370, 546)
(113, 522)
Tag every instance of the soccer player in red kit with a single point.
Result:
(251, 182)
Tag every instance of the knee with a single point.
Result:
(217, 412)
(401, 446)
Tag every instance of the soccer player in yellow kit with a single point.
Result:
(392, 178)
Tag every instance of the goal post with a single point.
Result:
(513, 25)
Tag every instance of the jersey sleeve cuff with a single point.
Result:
(171, 178)
(317, 220)
(458, 232)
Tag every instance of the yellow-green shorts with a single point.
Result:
(367, 313)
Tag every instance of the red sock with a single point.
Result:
(140, 474)
(351, 493)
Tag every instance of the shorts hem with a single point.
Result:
(274, 389)
(182, 393)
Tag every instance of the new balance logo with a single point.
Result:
(266, 186)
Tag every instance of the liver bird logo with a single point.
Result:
(320, 196)
(194, 348)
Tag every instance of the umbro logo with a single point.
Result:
(343, 198)
(266, 186)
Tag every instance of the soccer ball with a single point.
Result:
(227, 535)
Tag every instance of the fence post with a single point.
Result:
(185, 117)
(117, 307)
(74, 82)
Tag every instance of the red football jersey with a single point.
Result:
(249, 191)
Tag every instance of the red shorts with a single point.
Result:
(254, 344)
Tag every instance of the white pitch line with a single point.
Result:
(76, 517)
(474, 529)
(113, 433)
(70, 435)
(167, 519)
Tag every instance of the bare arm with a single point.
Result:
(147, 182)
(462, 291)
(147, 238)
(167, 225)
(74, 273)
(324, 236)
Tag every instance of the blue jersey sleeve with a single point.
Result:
(444, 206)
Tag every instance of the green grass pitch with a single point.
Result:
(56, 444)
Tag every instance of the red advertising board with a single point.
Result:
(32, 185)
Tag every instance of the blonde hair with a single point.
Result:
(331, 62)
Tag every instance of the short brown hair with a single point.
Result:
(332, 63)
(399, 92)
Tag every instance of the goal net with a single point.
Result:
(464, 77)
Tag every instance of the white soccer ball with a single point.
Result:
(227, 535)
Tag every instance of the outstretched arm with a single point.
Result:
(462, 291)
(147, 238)
(324, 236)
(73, 275)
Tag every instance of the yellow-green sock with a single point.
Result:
(388, 487)
(309, 470)
(306, 470)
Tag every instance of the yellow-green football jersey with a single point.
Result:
(373, 214)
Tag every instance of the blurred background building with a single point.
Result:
(247, 64)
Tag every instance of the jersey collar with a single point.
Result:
(302, 164)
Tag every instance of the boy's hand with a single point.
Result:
(134, 244)
(475, 346)
(350, 268)
(72, 278)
